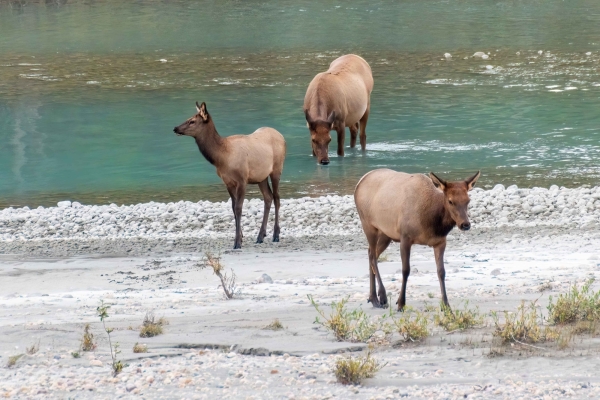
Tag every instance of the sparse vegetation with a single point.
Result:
(87, 341)
(275, 325)
(228, 282)
(117, 365)
(34, 348)
(578, 304)
(459, 319)
(353, 326)
(76, 354)
(140, 348)
(12, 360)
(151, 327)
(412, 325)
(383, 257)
(524, 326)
(353, 370)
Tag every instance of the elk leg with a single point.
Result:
(371, 235)
(405, 246)
(372, 288)
(441, 271)
(382, 243)
(363, 127)
(232, 194)
(353, 134)
(275, 182)
(268, 199)
(240, 192)
(341, 134)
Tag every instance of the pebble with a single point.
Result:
(264, 278)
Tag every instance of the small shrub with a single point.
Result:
(430, 295)
(31, 350)
(353, 370)
(76, 354)
(87, 341)
(150, 327)
(383, 257)
(12, 360)
(459, 319)
(140, 348)
(353, 326)
(275, 325)
(117, 365)
(412, 325)
(578, 304)
(228, 282)
(523, 326)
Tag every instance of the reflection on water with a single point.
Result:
(87, 108)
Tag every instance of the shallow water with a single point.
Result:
(91, 90)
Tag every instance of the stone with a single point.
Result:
(64, 204)
(96, 363)
(264, 278)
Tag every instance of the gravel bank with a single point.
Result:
(327, 215)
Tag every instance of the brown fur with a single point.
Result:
(338, 98)
(240, 160)
(410, 209)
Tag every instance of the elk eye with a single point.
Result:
(451, 203)
(192, 122)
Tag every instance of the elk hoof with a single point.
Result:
(237, 246)
(374, 302)
(276, 239)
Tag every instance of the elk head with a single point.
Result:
(320, 137)
(456, 198)
(195, 125)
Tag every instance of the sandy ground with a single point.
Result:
(218, 348)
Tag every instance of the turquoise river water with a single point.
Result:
(91, 90)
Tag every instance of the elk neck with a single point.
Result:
(442, 220)
(210, 143)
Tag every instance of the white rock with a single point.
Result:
(64, 204)
(479, 54)
(96, 363)
(448, 56)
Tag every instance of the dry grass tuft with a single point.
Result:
(459, 319)
(228, 282)
(353, 326)
(578, 304)
(12, 360)
(34, 348)
(140, 348)
(87, 341)
(412, 325)
(150, 327)
(353, 370)
(275, 325)
(524, 326)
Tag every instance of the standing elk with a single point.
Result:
(240, 160)
(410, 209)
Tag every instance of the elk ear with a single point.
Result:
(331, 119)
(438, 182)
(310, 124)
(472, 180)
(202, 111)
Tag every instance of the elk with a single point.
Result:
(338, 98)
(240, 160)
(410, 209)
